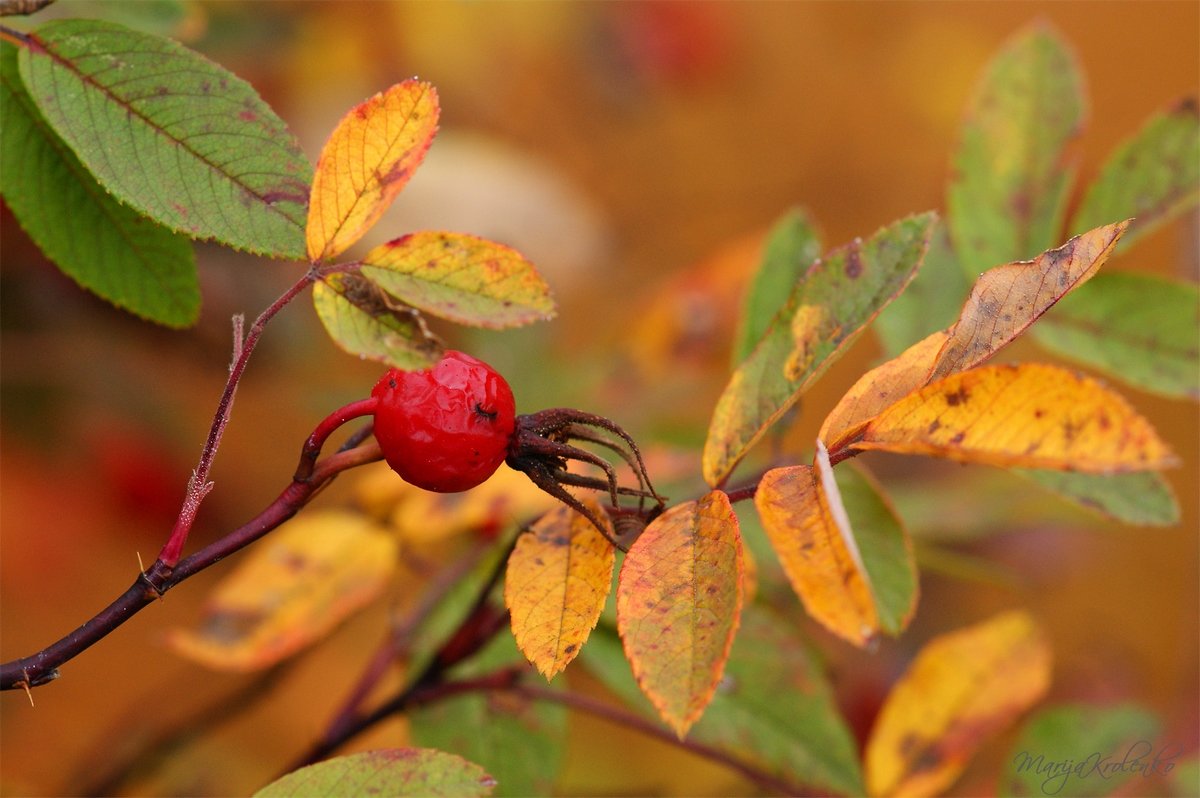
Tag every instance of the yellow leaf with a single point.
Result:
(369, 157)
(679, 600)
(879, 388)
(961, 689)
(292, 588)
(463, 278)
(1003, 303)
(557, 581)
(802, 514)
(1007, 299)
(1027, 416)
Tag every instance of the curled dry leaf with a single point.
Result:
(368, 158)
(1027, 416)
(679, 599)
(962, 688)
(556, 585)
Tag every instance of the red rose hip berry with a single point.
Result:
(447, 428)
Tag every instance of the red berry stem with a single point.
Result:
(312, 446)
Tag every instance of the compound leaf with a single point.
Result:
(172, 134)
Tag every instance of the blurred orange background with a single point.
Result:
(618, 145)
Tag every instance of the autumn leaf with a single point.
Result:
(368, 158)
(557, 582)
(462, 278)
(962, 688)
(289, 591)
(1142, 498)
(808, 528)
(1003, 303)
(1011, 173)
(386, 771)
(1154, 176)
(1027, 416)
(827, 310)
(679, 598)
(364, 321)
(1009, 298)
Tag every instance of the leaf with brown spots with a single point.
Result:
(462, 278)
(290, 591)
(961, 689)
(679, 599)
(558, 579)
(838, 296)
(365, 321)
(1027, 416)
(368, 158)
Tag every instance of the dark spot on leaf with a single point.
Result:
(1104, 421)
(1038, 412)
(958, 397)
(560, 541)
(933, 427)
(854, 266)
(957, 439)
(570, 649)
(248, 116)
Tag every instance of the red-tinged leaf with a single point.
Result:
(557, 581)
(1153, 177)
(387, 771)
(365, 321)
(290, 591)
(1011, 172)
(679, 599)
(826, 312)
(462, 278)
(368, 158)
(962, 688)
(1027, 416)
(811, 535)
(170, 133)
(1009, 298)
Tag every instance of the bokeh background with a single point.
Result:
(633, 151)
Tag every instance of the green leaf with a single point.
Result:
(792, 245)
(1136, 328)
(1153, 177)
(931, 302)
(462, 278)
(774, 708)
(522, 743)
(387, 771)
(886, 549)
(1143, 498)
(826, 311)
(172, 134)
(1077, 750)
(1011, 177)
(364, 321)
(104, 246)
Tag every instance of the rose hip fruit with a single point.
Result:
(447, 428)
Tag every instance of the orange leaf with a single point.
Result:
(462, 278)
(1027, 416)
(1003, 303)
(962, 688)
(679, 599)
(879, 388)
(369, 157)
(1007, 299)
(289, 591)
(558, 578)
(802, 513)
